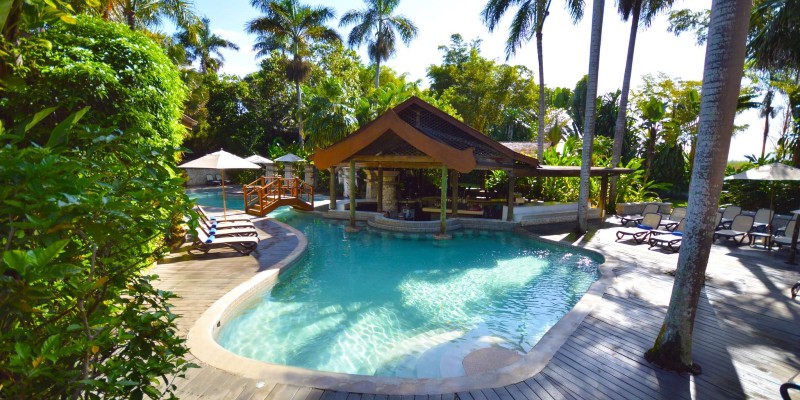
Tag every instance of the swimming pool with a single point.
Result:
(212, 197)
(405, 305)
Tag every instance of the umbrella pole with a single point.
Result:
(224, 209)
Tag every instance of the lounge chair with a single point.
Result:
(675, 218)
(786, 238)
(219, 179)
(224, 232)
(728, 215)
(671, 240)
(761, 222)
(242, 244)
(642, 231)
(740, 226)
(637, 218)
(228, 220)
(211, 181)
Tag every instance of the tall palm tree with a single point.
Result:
(203, 45)
(150, 14)
(722, 76)
(291, 27)
(528, 22)
(376, 25)
(630, 9)
(767, 110)
(589, 115)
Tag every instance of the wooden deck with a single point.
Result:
(746, 335)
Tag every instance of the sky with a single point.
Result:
(565, 47)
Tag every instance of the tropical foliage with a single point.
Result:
(80, 316)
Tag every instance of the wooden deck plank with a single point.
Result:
(478, 395)
(503, 393)
(255, 392)
(534, 388)
(283, 392)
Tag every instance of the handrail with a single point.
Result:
(267, 191)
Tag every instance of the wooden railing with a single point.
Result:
(267, 193)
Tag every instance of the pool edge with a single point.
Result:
(202, 344)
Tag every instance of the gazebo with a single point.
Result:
(417, 135)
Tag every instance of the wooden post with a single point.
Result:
(511, 185)
(380, 189)
(603, 198)
(332, 181)
(352, 185)
(454, 195)
(443, 209)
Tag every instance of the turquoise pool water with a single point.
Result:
(212, 197)
(401, 305)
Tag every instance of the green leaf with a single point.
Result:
(5, 9)
(59, 134)
(38, 117)
(16, 259)
(42, 257)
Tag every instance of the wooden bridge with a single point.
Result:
(265, 194)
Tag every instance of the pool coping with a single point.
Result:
(201, 339)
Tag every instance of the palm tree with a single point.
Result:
(721, 79)
(147, 13)
(630, 9)
(289, 26)
(201, 44)
(589, 115)
(767, 110)
(376, 25)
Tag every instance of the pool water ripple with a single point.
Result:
(371, 304)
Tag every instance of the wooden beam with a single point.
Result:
(443, 209)
(380, 189)
(512, 181)
(603, 198)
(332, 180)
(454, 188)
(394, 158)
(352, 184)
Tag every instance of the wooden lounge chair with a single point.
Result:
(728, 215)
(740, 226)
(211, 181)
(671, 240)
(642, 231)
(224, 232)
(637, 218)
(675, 218)
(242, 244)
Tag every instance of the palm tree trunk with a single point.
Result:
(589, 115)
(299, 112)
(650, 152)
(540, 138)
(622, 121)
(378, 73)
(721, 79)
(766, 135)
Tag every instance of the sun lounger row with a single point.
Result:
(237, 233)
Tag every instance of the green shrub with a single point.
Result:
(88, 196)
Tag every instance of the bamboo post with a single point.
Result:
(352, 185)
(443, 209)
(380, 189)
(511, 185)
(454, 195)
(332, 181)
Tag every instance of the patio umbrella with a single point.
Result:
(289, 158)
(257, 159)
(220, 160)
(771, 172)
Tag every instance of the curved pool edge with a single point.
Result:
(202, 344)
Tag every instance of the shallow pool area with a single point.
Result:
(405, 305)
(212, 197)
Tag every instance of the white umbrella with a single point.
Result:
(220, 160)
(257, 159)
(289, 157)
(771, 172)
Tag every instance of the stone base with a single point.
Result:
(442, 236)
(351, 229)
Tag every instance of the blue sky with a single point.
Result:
(566, 47)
